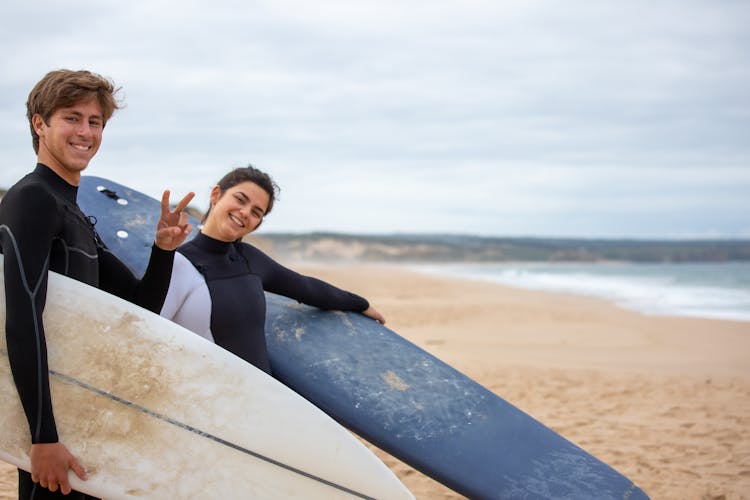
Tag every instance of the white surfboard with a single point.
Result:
(152, 410)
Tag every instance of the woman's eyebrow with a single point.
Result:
(247, 199)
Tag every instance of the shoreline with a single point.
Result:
(664, 400)
(629, 285)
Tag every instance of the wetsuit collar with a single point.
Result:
(68, 191)
(210, 244)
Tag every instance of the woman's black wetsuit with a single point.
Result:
(41, 229)
(217, 292)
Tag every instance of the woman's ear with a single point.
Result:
(215, 194)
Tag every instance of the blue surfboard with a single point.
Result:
(388, 390)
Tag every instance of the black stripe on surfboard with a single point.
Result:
(207, 435)
(194, 430)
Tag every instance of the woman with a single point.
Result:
(218, 281)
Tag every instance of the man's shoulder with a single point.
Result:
(31, 192)
(30, 184)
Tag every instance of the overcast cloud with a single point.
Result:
(580, 118)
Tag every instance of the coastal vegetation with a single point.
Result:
(466, 248)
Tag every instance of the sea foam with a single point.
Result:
(708, 290)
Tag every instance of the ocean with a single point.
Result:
(706, 290)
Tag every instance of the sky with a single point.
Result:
(596, 119)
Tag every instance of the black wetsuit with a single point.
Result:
(236, 275)
(41, 229)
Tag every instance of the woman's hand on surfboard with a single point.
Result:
(173, 226)
(49, 466)
(370, 312)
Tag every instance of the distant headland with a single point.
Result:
(336, 247)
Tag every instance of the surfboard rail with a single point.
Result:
(155, 411)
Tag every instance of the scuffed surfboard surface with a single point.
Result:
(155, 411)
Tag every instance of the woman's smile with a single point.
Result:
(237, 220)
(236, 212)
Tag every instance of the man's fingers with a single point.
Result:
(62, 482)
(165, 202)
(184, 202)
(79, 471)
(182, 205)
(50, 463)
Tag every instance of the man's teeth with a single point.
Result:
(82, 148)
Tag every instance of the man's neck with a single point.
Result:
(72, 177)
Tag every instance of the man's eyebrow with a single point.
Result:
(72, 111)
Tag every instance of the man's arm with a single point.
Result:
(27, 220)
(150, 291)
(27, 226)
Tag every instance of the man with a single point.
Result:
(42, 229)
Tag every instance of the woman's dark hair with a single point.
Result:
(249, 174)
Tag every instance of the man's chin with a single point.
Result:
(78, 166)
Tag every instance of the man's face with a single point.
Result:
(71, 139)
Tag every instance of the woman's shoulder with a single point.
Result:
(254, 254)
(248, 248)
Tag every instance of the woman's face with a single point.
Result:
(236, 212)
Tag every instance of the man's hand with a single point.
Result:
(173, 227)
(49, 466)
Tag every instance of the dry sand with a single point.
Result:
(664, 400)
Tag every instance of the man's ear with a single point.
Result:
(38, 123)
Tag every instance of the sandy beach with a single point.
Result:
(664, 400)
